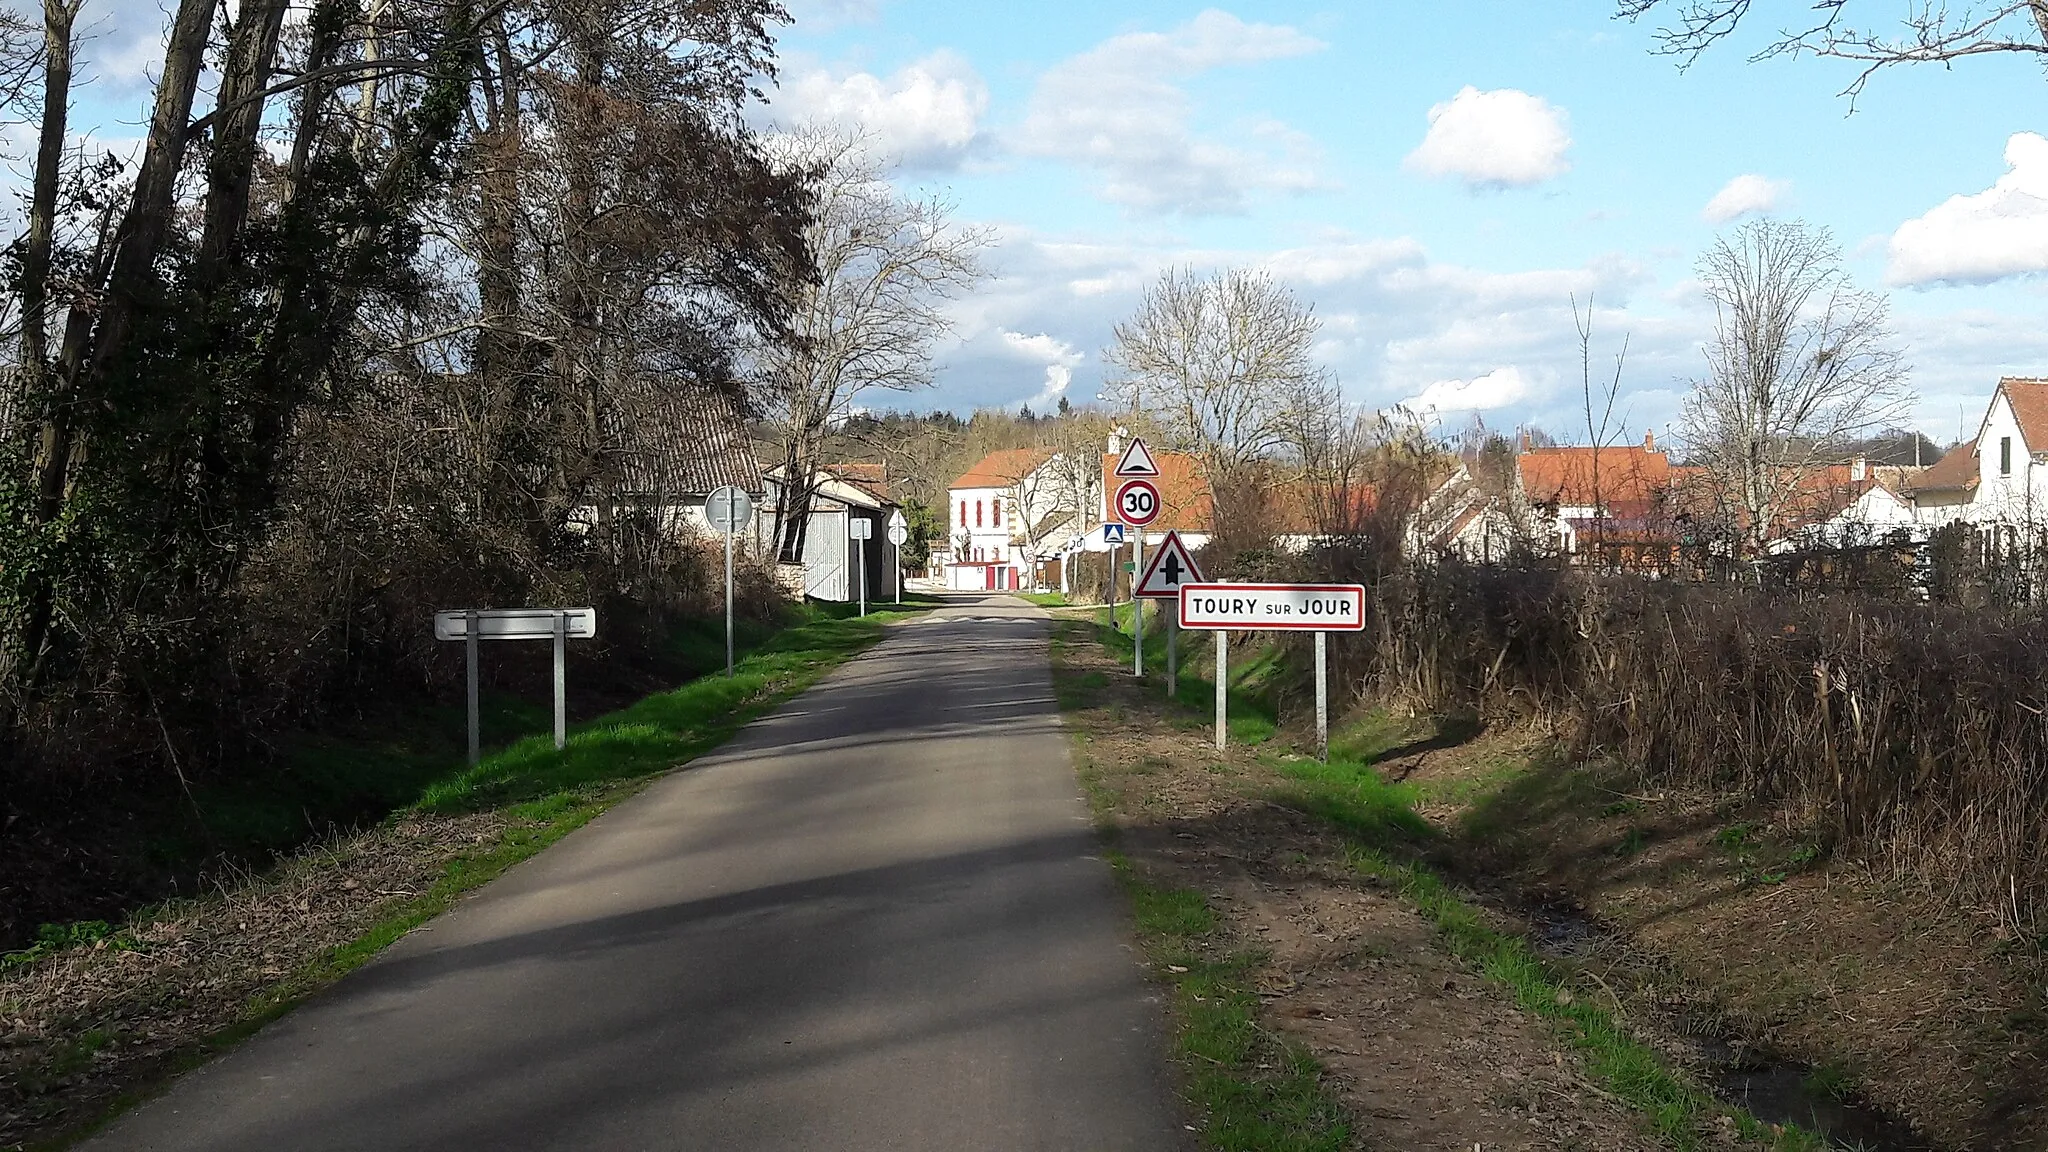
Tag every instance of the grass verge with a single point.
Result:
(1388, 842)
(1044, 599)
(1254, 1091)
(540, 794)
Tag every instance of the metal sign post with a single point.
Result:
(1172, 567)
(1137, 607)
(470, 625)
(862, 530)
(561, 680)
(729, 509)
(1137, 501)
(1318, 608)
(469, 631)
(1323, 696)
(899, 531)
(1222, 685)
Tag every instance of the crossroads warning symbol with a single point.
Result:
(1172, 566)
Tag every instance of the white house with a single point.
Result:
(1000, 512)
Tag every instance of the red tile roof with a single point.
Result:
(1625, 475)
(2029, 399)
(1003, 468)
(1183, 488)
(1955, 472)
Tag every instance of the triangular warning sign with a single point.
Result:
(1170, 567)
(1136, 461)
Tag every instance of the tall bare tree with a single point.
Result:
(1224, 364)
(1800, 362)
(886, 265)
(1919, 33)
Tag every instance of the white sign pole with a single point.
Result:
(1222, 683)
(561, 680)
(728, 597)
(1173, 655)
(863, 553)
(1137, 606)
(469, 631)
(1323, 697)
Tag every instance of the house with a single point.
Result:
(835, 566)
(1847, 505)
(1618, 498)
(996, 511)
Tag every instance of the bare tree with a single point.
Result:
(886, 265)
(1799, 363)
(1923, 33)
(1224, 364)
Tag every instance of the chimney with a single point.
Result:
(1528, 442)
(1650, 440)
(1859, 469)
(1116, 440)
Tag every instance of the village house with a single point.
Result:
(1001, 512)
(1021, 518)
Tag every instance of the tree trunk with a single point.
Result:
(231, 169)
(149, 208)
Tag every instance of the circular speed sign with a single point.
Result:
(1137, 503)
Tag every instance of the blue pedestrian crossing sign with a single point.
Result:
(1112, 533)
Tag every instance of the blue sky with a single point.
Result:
(1439, 180)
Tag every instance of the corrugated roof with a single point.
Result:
(679, 438)
(1003, 468)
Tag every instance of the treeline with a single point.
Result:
(424, 304)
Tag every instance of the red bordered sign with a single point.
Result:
(1273, 607)
(1137, 503)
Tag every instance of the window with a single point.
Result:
(995, 517)
(977, 513)
(2005, 455)
(963, 513)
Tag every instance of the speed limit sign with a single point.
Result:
(1137, 503)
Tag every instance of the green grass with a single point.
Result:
(1250, 718)
(1044, 599)
(1255, 1092)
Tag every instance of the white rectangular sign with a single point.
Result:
(1273, 607)
(860, 528)
(516, 624)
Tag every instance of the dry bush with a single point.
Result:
(1908, 734)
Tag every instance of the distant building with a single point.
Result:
(832, 567)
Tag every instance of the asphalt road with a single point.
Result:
(876, 920)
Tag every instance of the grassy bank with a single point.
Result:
(1390, 845)
(104, 1014)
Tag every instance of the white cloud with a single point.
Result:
(1497, 389)
(1746, 193)
(1117, 108)
(926, 114)
(1989, 235)
(1058, 357)
(1505, 138)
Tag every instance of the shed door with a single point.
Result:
(825, 551)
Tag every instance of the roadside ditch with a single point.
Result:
(1733, 969)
